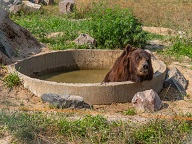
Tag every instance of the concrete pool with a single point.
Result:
(92, 93)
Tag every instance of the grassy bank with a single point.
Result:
(55, 128)
(112, 28)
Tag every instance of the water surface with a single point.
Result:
(77, 76)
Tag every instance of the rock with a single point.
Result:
(63, 101)
(53, 99)
(3, 15)
(176, 80)
(49, 2)
(1, 57)
(31, 6)
(146, 101)
(15, 8)
(83, 39)
(9, 1)
(5, 46)
(15, 38)
(17, 2)
(66, 6)
(6, 4)
(55, 34)
(154, 45)
(5, 60)
(45, 2)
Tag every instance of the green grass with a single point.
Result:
(11, 80)
(130, 111)
(180, 48)
(152, 36)
(36, 127)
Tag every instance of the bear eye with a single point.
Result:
(139, 57)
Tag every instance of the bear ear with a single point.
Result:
(129, 49)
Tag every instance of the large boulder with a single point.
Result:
(147, 101)
(15, 38)
(5, 46)
(176, 80)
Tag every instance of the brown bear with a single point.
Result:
(134, 64)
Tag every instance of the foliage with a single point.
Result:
(115, 28)
(11, 80)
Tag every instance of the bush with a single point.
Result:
(115, 28)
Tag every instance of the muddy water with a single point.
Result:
(77, 76)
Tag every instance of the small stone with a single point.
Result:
(147, 101)
(31, 6)
(63, 101)
(15, 8)
(17, 2)
(176, 80)
(83, 39)
(66, 6)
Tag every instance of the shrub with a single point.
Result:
(115, 28)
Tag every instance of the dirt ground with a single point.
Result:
(20, 98)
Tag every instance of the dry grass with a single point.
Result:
(176, 14)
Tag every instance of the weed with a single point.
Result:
(130, 111)
(17, 52)
(22, 104)
(181, 47)
(11, 80)
(188, 96)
